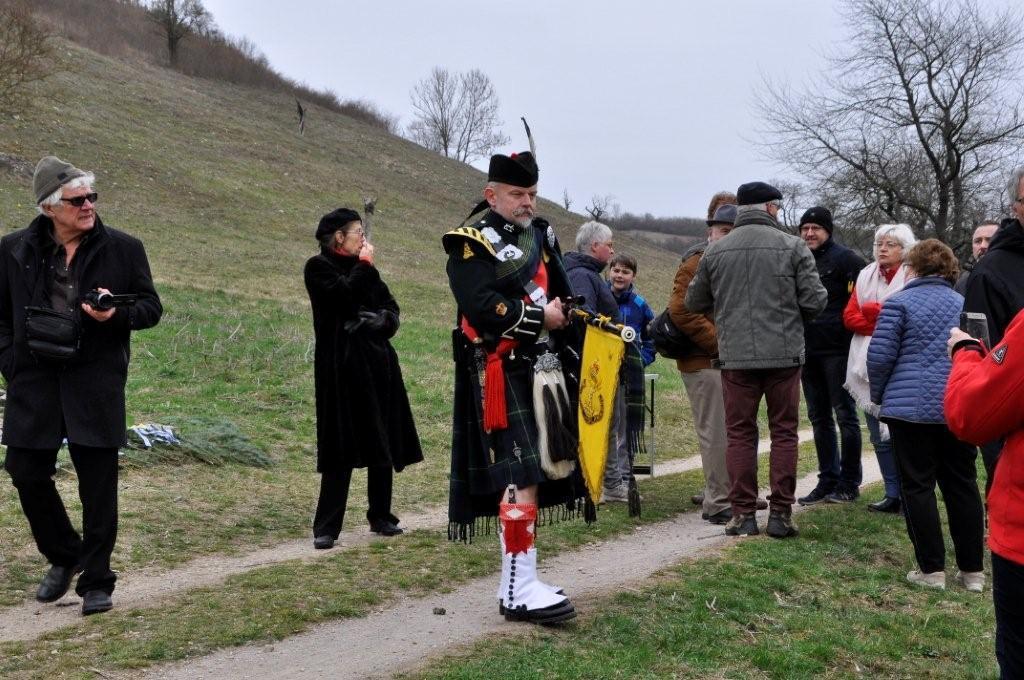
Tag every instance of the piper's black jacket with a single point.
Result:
(84, 398)
(996, 284)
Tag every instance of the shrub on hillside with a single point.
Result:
(25, 52)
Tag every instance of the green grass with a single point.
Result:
(832, 603)
(274, 602)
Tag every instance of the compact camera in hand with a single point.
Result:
(104, 301)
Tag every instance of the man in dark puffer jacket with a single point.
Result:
(996, 287)
(827, 343)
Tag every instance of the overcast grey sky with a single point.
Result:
(650, 101)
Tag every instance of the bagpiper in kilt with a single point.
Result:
(506, 274)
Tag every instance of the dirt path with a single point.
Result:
(407, 634)
(146, 589)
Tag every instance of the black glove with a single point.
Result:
(383, 324)
(374, 322)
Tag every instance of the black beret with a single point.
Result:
(335, 220)
(818, 215)
(519, 169)
(753, 193)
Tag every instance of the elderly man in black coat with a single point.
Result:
(65, 361)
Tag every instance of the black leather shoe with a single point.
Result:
(721, 517)
(56, 583)
(95, 602)
(888, 504)
(817, 495)
(549, 616)
(323, 542)
(384, 527)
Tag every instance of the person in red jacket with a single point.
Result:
(875, 283)
(982, 404)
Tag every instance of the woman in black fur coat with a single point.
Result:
(363, 417)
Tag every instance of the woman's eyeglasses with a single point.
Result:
(79, 201)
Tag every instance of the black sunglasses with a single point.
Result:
(79, 201)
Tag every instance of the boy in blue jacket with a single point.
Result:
(635, 312)
(633, 308)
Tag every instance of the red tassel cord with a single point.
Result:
(495, 411)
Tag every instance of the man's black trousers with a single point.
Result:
(32, 471)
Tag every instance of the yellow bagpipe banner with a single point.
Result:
(599, 378)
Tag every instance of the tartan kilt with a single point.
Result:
(483, 465)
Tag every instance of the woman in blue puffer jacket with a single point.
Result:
(907, 369)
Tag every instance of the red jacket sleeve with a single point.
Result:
(855, 320)
(983, 394)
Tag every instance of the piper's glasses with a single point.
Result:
(79, 201)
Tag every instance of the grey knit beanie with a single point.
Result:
(51, 174)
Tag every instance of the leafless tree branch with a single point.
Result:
(922, 119)
(456, 114)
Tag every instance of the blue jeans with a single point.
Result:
(823, 379)
(886, 460)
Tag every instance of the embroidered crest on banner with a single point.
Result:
(509, 252)
(999, 354)
(591, 402)
(467, 252)
(501, 309)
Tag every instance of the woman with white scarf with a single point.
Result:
(876, 282)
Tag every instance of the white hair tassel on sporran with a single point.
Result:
(557, 442)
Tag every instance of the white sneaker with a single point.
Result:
(936, 579)
(973, 581)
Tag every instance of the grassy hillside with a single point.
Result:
(225, 194)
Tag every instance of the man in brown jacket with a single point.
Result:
(703, 382)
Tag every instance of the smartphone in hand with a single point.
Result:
(975, 324)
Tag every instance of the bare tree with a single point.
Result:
(601, 206)
(922, 118)
(795, 201)
(178, 19)
(566, 201)
(25, 52)
(456, 114)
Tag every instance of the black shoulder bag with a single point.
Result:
(669, 341)
(52, 335)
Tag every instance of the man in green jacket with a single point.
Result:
(762, 285)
